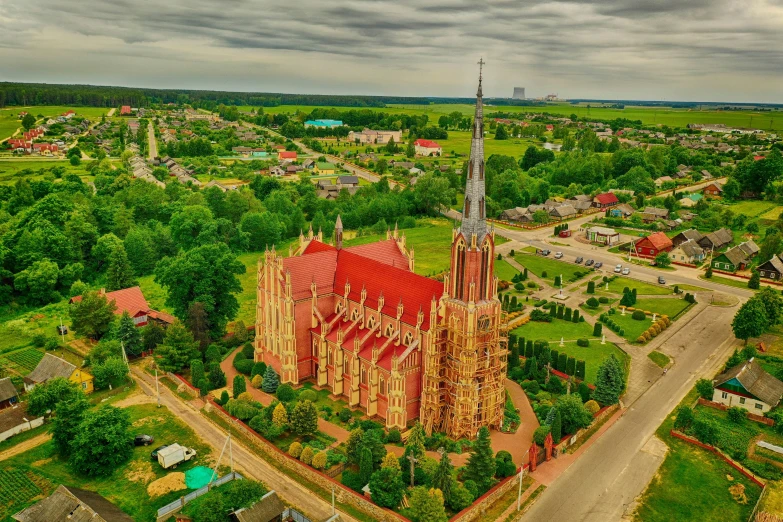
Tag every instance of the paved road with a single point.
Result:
(153, 147)
(246, 461)
(601, 484)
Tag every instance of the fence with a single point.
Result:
(722, 407)
(291, 513)
(175, 506)
(739, 467)
(334, 470)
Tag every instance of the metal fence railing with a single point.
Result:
(183, 501)
(291, 513)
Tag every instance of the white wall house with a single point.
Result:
(748, 386)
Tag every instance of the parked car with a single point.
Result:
(546, 252)
(558, 255)
(626, 271)
(598, 265)
(589, 262)
(578, 260)
(62, 330)
(618, 269)
(154, 454)
(143, 440)
(661, 280)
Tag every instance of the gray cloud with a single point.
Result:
(728, 50)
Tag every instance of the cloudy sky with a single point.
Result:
(710, 50)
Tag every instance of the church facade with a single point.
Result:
(399, 346)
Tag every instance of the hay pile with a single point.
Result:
(172, 482)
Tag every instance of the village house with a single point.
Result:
(736, 258)
(748, 386)
(132, 300)
(515, 214)
(663, 179)
(605, 200)
(623, 210)
(8, 393)
(324, 168)
(562, 212)
(348, 181)
(687, 252)
(427, 148)
(69, 504)
(714, 190)
(654, 244)
(652, 214)
(286, 155)
(375, 136)
(716, 240)
(52, 366)
(686, 235)
(16, 420)
(603, 235)
(268, 509)
(125, 110)
(772, 269)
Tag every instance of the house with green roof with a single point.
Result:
(325, 168)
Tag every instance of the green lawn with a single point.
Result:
(8, 123)
(661, 359)
(641, 287)
(36, 168)
(540, 264)
(50, 111)
(593, 356)
(504, 270)
(736, 283)
(633, 328)
(553, 331)
(127, 486)
(664, 306)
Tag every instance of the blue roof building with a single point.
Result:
(328, 124)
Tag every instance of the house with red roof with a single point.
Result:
(20, 145)
(69, 114)
(550, 127)
(125, 110)
(653, 245)
(605, 200)
(286, 155)
(132, 300)
(45, 149)
(427, 148)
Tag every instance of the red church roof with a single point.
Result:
(426, 144)
(607, 198)
(386, 252)
(332, 269)
(317, 246)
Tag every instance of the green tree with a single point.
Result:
(427, 505)
(217, 379)
(415, 445)
(239, 385)
(65, 425)
(354, 445)
(410, 151)
(196, 371)
(443, 478)
(211, 509)
(704, 387)
(573, 413)
(557, 428)
(501, 133)
(207, 274)
(103, 442)
(431, 193)
(111, 371)
(198, 325)
(304, 419)
(263, 229)
(391, 146)
(663, 260)
(609, 382)
(387, 487)
(28, 121)
(481, 463)
(365, 465)
(119, 275)
(178, 348)
(750, 320)
(271, 381)
(773, 304)
(755, 281)
(92, 315)
(129, 335)
(46, 396)
(152, 335)
(38, 282)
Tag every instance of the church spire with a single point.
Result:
(338, 233)
(474, 220)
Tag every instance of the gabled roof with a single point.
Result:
(659, 240)
(287, 154)
(749, 247)
(386, 252)
(691, 248)
(268, 508)
(736, 256)
(660, 212)
(776, 263)
(129, 300)
(316, 246)
(348, 180)
(755, 380)
(69, 504)
(606, 198)
(426, 144)
(7, 389)
(691, 234)
(49, 368)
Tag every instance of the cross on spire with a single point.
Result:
(481, 63)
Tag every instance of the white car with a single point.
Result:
(618, 268)
(558, 255)
(626, 271)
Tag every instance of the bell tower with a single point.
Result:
(469, 386)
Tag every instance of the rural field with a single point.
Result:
(648, 115)
(34, 169)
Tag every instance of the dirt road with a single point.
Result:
(24, 446)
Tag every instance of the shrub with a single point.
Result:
(319, 460)
(571, 366)
(244, 366)
(257, 381)
(344, 415)
(580, 369)
(543, 274)
(295, 449)
(638, 315)
(258, 369)
(736, 414)
(684, 418)
(582, 342)
(704, 387)
(592, 406)
(603, 299)
(394, 436)
(539, 436)
(540, 316)
(307, 455)
(519, 287)
(308, 395)
(285, 393)
(705, 430)
(591, 287)
(531, 387)
(597, 329)
(532, 284)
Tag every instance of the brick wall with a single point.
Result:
(476, 510)
(183, 385)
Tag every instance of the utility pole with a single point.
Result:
(413, 461)
(62, 330)
(519, 491)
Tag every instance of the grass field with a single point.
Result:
(127, 486)
(553, 331)
(661, 359)
(13, 169)
(504, 270)
(664, 306)
(648, 115)
(641, 287)
(56, 110)
(540, 264)
(8, 123)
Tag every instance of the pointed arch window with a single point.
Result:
(467, 207)
(355, 314)
(382, 386)
(470, 170)
(371, 322)
(485, 272)
(339, 307)
(481, 169)
(408, 339)
(481, 208)
(389, 330)
(459, 270)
